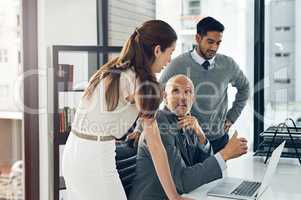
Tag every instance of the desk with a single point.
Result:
(285, 185)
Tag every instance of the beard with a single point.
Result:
(210, 54)
(206, 54)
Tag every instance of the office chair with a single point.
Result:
(126, 164)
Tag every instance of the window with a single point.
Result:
(125, 16)
(191, 7)
(4, 56)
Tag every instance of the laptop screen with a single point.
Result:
(271, 168)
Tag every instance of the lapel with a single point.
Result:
(181, 140)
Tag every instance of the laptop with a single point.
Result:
(247, 190)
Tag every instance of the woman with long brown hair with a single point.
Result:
(121, 90)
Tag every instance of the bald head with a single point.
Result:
(179, 94)
(178, 80)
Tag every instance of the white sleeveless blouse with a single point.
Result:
(92, 117)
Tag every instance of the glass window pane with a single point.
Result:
(11, 110)
(282, 96)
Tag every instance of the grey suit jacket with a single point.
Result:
(190, 163)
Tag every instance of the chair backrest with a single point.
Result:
(126, 164)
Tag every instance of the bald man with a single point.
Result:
(190, 154)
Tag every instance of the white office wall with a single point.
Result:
(70, 22)
(173, 17)
(67, 22)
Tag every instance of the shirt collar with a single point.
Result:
(200, 60)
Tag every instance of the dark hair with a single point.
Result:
(138, 54)
(209, 24)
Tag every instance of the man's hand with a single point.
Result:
(190, 122)
(235, 148)
(227, 125)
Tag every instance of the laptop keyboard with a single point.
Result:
(246, 188)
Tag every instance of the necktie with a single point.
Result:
(206, 64)
(186, 153)
(183, 148)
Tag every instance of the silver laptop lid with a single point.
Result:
(271, 169)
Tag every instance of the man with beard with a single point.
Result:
(211, 73)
